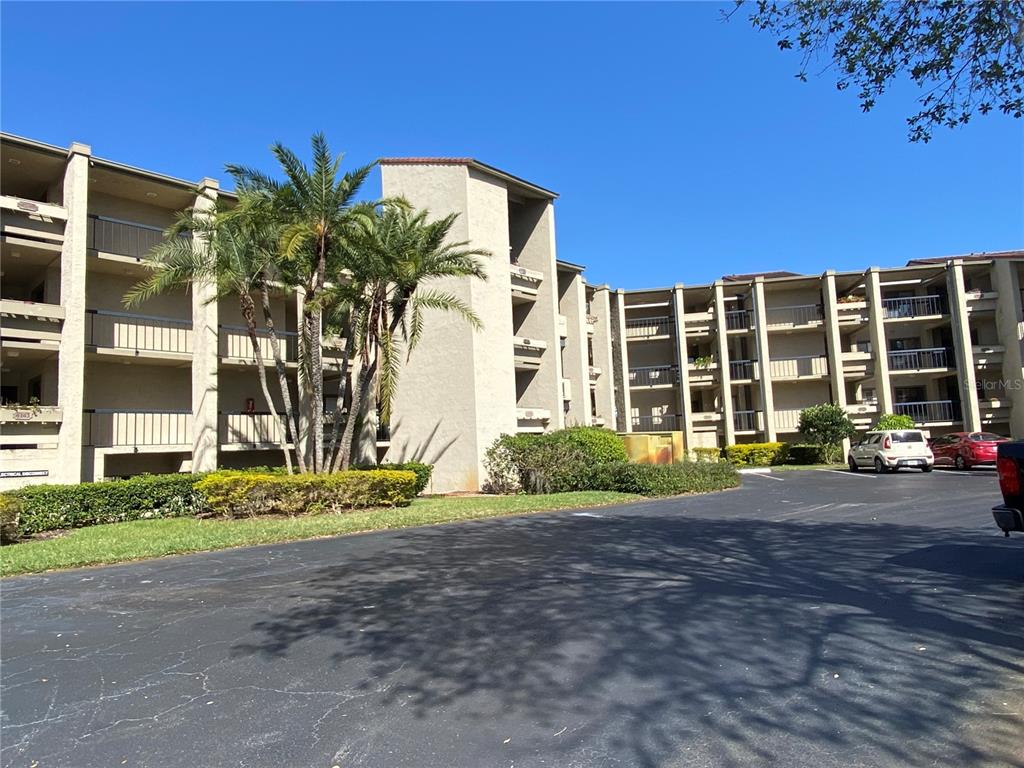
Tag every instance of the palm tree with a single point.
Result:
(235, 252)
(317, 211)
(390, 258)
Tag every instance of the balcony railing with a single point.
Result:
(251, 428)
(668, 422)
(787, 420)
(914, 359)
(913, 306)
(138, 333)
(123, 238)
(654, 376)
(742, 369)
(930, 411)
(107, 428)
(738, 319)
(647, 327)
(796, 314)
(744, 421)
(796, 367)
(234, 342)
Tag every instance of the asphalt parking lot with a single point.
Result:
(807, 619)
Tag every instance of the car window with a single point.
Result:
(872, 439)
(944, 440)
(984, 436)
(908, 437)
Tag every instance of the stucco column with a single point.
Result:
(622, 379)
(679, 308)
(763, 362)
(205, 360)
(963, 348)
(833, 340)
(724, 379)
(71, 361)
(604, 389)
(879, 348)
(1010, 330)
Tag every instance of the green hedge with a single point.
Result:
(553, 462)
(706, 454)
(757, 454)
(808, 454)
(422, 471)
(246, 494)
(666, 479)
(10, 514)
(49, 507)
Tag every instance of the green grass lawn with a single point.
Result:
(121, 542)
(794, 467)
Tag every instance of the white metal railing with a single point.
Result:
(928, 411)
(787, 420)
(795, 314)
(251, 428)
(668, 422)
(744, 421)
(913, 359)
(742, 369)
(913, 306)
(654, 376)
(795, 367)
(738, 319)
(234, 342)
(108, 427)
(645, 327)
(139, 333)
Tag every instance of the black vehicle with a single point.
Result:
(1009, 515)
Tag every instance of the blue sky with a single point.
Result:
(682, 146)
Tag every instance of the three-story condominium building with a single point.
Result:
(90, 389)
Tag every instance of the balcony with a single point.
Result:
(527, 353)
(235, 346)
(563, 327)
(595, 373)
(250, 431)
(852, 311)
(914, 360)
(525, 284)
(648, 328)
(930, 411)
(31, 324)
(654, 377)
(32, 224)
(794, 316)
(698, 323)
(705, 420)
(110, 428)
(994, 410)
(532, 419)
(660, 423)
(988, 356)
(745, 421)
(33, 426)
(742, 370)
(147, 336)
(739, 320)
(123, 239)
(701, 371)
(911, 307)
(787, 420)
(862, 414)
(799, 367)
(981, 301)
(591, 324)
(566, 389)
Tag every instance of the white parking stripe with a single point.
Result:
(762, 474)
(847, 473)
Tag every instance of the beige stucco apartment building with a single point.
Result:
(92, 390)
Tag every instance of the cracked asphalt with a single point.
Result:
(808, 619)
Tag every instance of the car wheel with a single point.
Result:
(960, 463)
(853, 464)
(926, 468)
(879, 466)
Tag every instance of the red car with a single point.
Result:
(964, 450)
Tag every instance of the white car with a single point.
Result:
(888, 450)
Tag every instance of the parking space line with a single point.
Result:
(847, 473)
(764, 475)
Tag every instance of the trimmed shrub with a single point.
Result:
(552, 462)
(51, 507)
(247, 494)
(894, 421)
(422, 471)
(10, 513)
(826, 425)
(808, 454)
(706, 454)
(757, 454)
(599, 445)
(666, 479)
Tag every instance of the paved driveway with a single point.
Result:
(807, 619)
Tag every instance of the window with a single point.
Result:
(908, 437)
(979, 437)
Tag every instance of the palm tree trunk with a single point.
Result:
(249, 314)
(359, 394)
(282, 380)
(333, 454)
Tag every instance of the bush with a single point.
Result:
(808, 454)
(599, 445)
(757, 454)
(51, 507)
(552, 462)
(422, 471)
(666, 479)
(10, 513)
(706, 454)
(826, 425)
(894, 421)
(246, 494)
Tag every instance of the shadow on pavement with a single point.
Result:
(759, 642)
